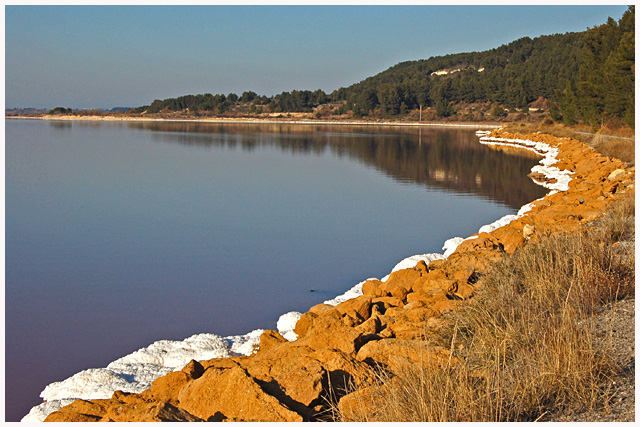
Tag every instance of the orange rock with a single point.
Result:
(321, 308)
(121, 407)
(357, 308)
(373, 288)
(387, 302)
(510, 237)
(270, 339)
(136, 409)
(396, 354)
(304, 323)
(428, 297)
(418, 314)
(372, 326)
(329, 331)
(80, 410)
(415, 304)
(166, 388)
(483, 241)
(231, 393)
(436, 264)
(400, 282)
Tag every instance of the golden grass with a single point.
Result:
(622, 149)
(609, 142)
(523, 346)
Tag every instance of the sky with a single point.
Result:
(127, 56)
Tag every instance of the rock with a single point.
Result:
(80, 411)
(321, 308)
(461, 290)
(617, 174)
(400, 282)
(121, 407)
(304, 323)
(373, 288)
(510, 237)
(329, 331)
(270, 339)
(397, 354)
(415, 304)
(418, 314)
(428, 286)
(528, 230)
(437, 264)
(232, 393)
(483, 241)
(422, 266)
(428, 296)
(387, 302)
(358, 308)
(144, 411)
(166, 388)
(371, 326)
(296, 380)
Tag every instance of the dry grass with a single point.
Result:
(523, 347)
(611, 142)
(622, 149)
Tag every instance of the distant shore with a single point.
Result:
(264, 120)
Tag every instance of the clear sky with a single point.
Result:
(108, 56)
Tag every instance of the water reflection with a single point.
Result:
(443, 157)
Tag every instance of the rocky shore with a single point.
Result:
(338, 347)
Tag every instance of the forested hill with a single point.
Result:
(513, 75)
(574, 77)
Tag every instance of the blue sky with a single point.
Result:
(107, 56)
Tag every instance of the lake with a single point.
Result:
(121, 234)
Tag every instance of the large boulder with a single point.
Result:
(121, 407)
(398, 354)
(231, 393)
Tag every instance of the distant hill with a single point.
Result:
(574, 77)
(24, 111)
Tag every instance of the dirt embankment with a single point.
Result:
(338, 347)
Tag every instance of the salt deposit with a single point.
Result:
(286, 323)
(135, 372)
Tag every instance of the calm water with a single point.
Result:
(121, 234)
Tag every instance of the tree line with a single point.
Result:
(584, 77)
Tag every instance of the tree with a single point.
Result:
(248, 96)
(498, 111)
(390, 99)
(61, 110)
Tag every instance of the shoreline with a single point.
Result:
(255, 121)
(287, 322)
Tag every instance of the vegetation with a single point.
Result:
(604, 87)
(583, 77)
(523, 347)
(61, 110)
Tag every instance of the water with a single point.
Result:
(121, 234)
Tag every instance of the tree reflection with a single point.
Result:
(441, 157)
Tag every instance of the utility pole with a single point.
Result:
(420, 112)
